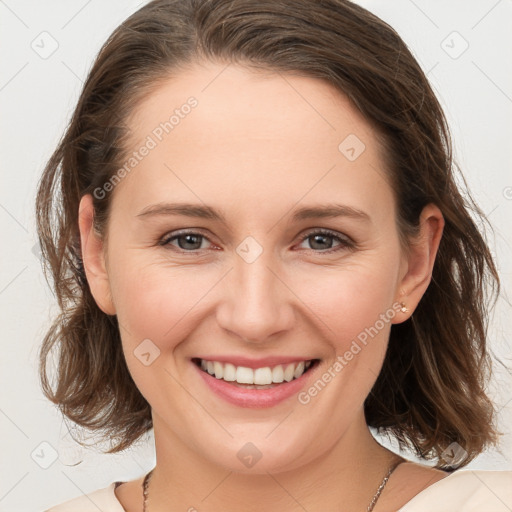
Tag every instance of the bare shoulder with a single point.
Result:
(415, 471)
(408, 480)
(129, 494)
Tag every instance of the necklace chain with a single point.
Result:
(376, 496)
(371, 506)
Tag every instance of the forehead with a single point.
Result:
(249, 102)
(250, 135)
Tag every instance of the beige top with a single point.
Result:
(461, 491)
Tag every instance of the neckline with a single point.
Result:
(418, 497)
(404, 508)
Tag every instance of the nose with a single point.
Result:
(256, 302)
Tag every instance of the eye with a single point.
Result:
(187, 241)
(322, 241)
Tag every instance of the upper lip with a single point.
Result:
(248, 362)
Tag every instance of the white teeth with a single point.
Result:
(229, 372)
(299, 370)
(289, 372)
(278, 374)
(244, 375)
(219, 370)
(265, 376)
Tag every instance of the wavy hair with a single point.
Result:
(431, 389)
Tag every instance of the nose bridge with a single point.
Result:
(258, 304)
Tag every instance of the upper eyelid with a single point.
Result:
(309, 232)
(185, 231)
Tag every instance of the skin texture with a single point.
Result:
(258, 146)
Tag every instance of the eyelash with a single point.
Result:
(344, 241)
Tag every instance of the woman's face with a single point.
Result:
(256, 231)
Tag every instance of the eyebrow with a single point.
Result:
(207, 212)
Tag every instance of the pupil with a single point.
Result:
(190, 239)
(318, 239)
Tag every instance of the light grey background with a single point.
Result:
(38, 92)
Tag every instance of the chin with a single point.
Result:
(261, 453)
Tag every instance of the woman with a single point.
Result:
(260, 252)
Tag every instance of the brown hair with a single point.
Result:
(430, 391)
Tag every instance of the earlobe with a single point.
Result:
(420, 261)
(93, 257)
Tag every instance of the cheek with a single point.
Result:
(351, 298)
(354, 308)
(161, 304)
(159, 301)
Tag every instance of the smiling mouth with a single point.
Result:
(255, 378)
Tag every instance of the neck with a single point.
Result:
(348, 475)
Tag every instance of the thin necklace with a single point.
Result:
(376, 496)
(371, 506)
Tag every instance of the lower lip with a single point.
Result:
(254, 398)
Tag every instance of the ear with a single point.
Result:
(93, 257)
(419, 261)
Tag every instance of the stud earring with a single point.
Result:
(403, 308)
